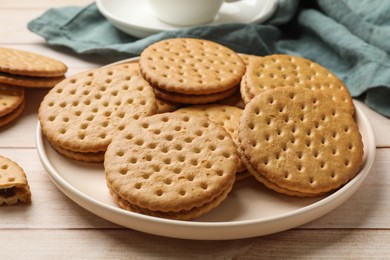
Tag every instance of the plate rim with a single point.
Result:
(143, 30)
(318, 208)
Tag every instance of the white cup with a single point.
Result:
(185, 12)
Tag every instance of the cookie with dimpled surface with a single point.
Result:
(171, 165)
(299, 142)
(191, 66)
(82, 112)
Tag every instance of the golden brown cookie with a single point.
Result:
(172, 165)
(14, 186)
(299, 141)
(191, 66)
(82, 112)
(26, 63)
(280, 70)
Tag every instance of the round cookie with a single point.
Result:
(281, 70)
(299, 141)
(82, 112)
(191, 66)
(26, 63)
(174, 165)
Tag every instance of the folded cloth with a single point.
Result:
(85, 30)
(348, 37)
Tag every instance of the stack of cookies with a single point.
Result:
(291, 126)
(191, 71)
(19, 70)
(30, 70)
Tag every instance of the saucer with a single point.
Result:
(136, 17)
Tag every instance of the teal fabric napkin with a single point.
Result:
(349, 37)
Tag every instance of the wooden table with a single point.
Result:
(55, 227)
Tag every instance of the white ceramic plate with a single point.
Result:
(136, 18)
(250, 209)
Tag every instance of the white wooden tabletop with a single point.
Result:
(55, 227)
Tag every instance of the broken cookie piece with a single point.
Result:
(14, 187)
